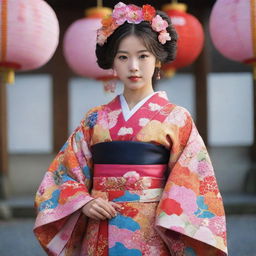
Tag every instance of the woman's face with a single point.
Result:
(134, 64)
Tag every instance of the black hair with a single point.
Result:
(163, 52)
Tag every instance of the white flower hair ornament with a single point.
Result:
(132, 14)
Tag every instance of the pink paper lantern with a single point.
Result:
(30, 34)
(231, 29)
(79, 46)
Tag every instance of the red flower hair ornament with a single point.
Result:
(132, 14)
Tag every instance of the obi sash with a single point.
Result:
(129, 171)
(129, 152)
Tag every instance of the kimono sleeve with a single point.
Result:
(63, 192)
(190, 216)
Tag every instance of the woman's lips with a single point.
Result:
(134, 78)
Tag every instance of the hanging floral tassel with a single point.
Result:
(110, 86)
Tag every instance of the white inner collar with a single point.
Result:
(127, 113)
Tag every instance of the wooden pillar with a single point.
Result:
(60, 102)
(3, 141)
(61, 74)
(201, 70)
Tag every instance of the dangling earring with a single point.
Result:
(110, 85)
(114, 73)
(158, 67)
(158, 77)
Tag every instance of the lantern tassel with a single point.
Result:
(7, 75)
(10, 76)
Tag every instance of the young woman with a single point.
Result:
(135, 177)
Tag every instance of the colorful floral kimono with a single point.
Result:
(167, 209)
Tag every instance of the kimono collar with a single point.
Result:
(127, 113)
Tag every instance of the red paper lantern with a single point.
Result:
(80, 42)
(190, 37)
(29, 35)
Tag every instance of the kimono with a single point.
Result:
(175, 209)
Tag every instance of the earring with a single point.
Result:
(158, 67)
(114, 73)
(158, 77)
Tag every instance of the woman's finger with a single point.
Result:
(102, 207)
(103, 210)
(117, 207)
(106, 205)
(95, 215)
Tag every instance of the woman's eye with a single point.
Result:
(143, 56)
(122, 57)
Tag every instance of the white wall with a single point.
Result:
(230, 106)
(30, 107)
(30, 114)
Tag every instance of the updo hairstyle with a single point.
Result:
(163, 52)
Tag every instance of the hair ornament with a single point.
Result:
(132, 14)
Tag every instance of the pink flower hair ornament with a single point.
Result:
(132, 14)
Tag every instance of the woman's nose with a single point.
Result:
(133, 65)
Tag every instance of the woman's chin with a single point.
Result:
(135, 86)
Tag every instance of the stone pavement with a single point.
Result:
(16, 236)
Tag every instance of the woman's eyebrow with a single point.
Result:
(140, 51)
(120, 51)
(143, 51)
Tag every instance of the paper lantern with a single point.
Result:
(80, 42)
(190, 37)
(29, 34)
(233, 29)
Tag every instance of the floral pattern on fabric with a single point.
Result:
(187, 216)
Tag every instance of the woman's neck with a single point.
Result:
(132, 97)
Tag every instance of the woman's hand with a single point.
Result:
(100, 209)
